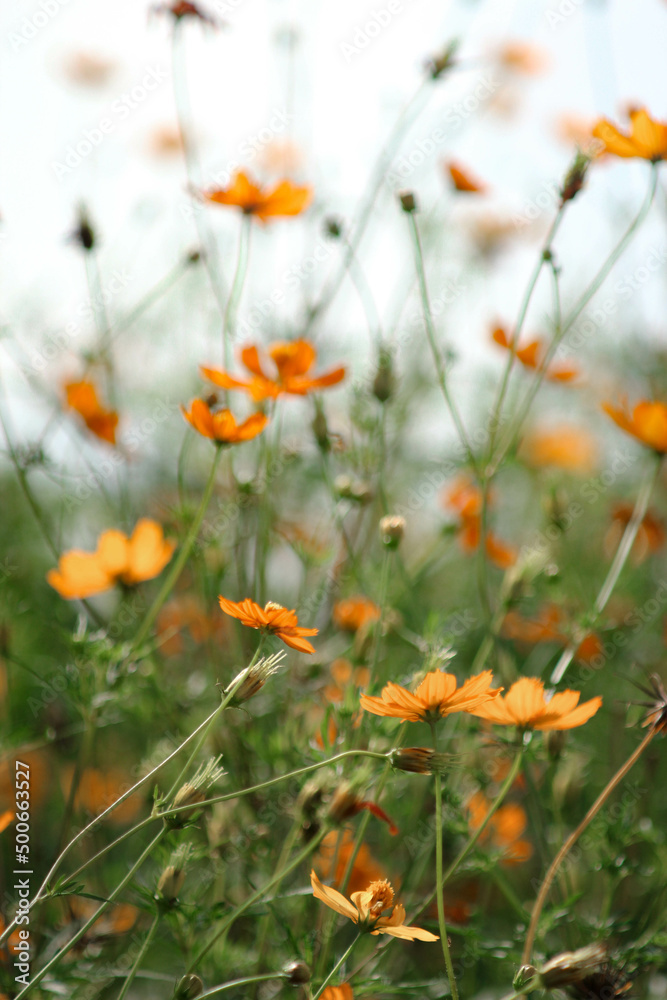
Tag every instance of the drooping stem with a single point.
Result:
(573, 838)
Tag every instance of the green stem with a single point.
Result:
(572, 839)
(255, 897)
(336, 967)
(616, 568)
(181, 559)
(229, 318)
(137, 962)
(239, 982)
(430, 333)
(98, 913)
(444, 941)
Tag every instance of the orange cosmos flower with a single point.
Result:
(117, 559)
(504, 829)
(366, 908)
(531, 356)
(526, 707)
(220, 425)
(354, 613)
(292, 361)
(565, 447)
(466, 499)
(437, 695)
(650, 536)
(284, 199)
(342, 992)
(521, 57)
(647, 139)
(82, 397)
(272, 619)
(463, 181)
(647, 423)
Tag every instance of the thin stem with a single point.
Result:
(37, 978)
(568, 322)
(140, 955)
(238, 982)
(438, 882)
(181, 559)
(233, 917)
(229, 318)
(336, 967)
(616, 568)
(572, 839)
(430, 333)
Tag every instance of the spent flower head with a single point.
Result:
(252, 679)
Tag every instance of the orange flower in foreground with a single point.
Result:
(437, 695)
(364, 870)
(504, 829)
(220, 425)
(285, 199)
(466, 499)
(463, 181)
(647, 422)
(117, 559)
(292, 361)
(342, 992)
(82, 397)
(531, 356)
(565, 447)
(647, 139)
(526, 707)
(272, 619)
(366, 910)
(650, 536)
(354, 613)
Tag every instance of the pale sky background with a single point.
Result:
(288, 57)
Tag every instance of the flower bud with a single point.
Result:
(392, 529)
(408, 201)
(442, 62)
(321, 430)
(353, 489)
(333, 227)
(419, 760)
(384, 381)
(575, 177)
(170, 884)
(188, 988)
(524, 976)
(296, 973)
(253, 678)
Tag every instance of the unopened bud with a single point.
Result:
(170, 884)
(571, 966)
(392, 529)
(353, 489)
(321, 431)
(408, 201)
(253, 678)
(525, 974)
(188, 988)
(442, 62)
(384, 381)
(333, 227)
(419, 760)
(296, 973)
(575, 177)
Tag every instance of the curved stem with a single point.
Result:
(616, 568)
(238, 982)
(37, 978)
(430, 333)
(572, 839)
(336, 967)
(181, 559)
(138, 960)
(255, 897)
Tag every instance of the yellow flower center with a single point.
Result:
(382, 899)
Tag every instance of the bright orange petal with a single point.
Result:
(335, 900)
(149, 551)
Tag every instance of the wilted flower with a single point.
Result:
(253, 678)
(284, 200)
(194, 791)
(571, 966)
(272, 619)
(292, 362)
(117, 559)
(366, 909)
(419, 760)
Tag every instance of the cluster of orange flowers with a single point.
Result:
(464, 497)
(532, 354)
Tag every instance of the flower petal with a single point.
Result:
(335, 900)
